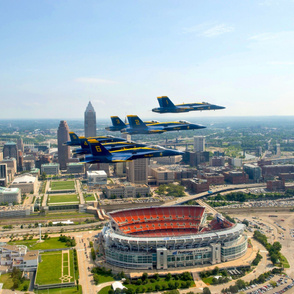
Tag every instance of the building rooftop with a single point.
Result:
(9, 190)
(50, 164)
(10, 143)
(97, 173)
(26, 178)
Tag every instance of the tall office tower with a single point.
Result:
(199, 143)
(10, 150)
(137, 171)
(20, 144)
(63, 151)
(3, 174)
(90, 121)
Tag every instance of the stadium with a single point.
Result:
(168, 237)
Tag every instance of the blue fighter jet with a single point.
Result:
(167, 106)
(100, 154)
(75, 140)
(111, 146)
(118, 124)
(137, 126)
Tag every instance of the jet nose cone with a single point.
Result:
(220, 107)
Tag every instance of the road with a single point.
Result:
(220, 189)
(85, 261)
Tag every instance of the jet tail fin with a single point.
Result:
(84, 143)
(117, 122)
(74, 139)
(164, 101)
(136, 122)
(98, 149)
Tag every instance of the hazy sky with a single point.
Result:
(57, 55)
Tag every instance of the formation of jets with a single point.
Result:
(137, 126)
(167, 106)
(109, 149)
(100, 154)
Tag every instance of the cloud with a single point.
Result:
(264, 37)
(209, 30)
(88, 80)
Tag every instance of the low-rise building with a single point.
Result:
(97, 177)
(217, 161)
(10, 195)
(196, 185)
(75, 168)
(236, 177)
(127, 191)
(13, 211)
(27, 183)
(18, 256)
(50, 168)
(214, 178)
(276, 185)
(253, 171)
(162, 175)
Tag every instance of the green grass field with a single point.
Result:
(63, 198)
(51, 267)
(208, 280)
(8, 282)
(51, 243)
(89, 197)
(105, 278)
(105, 290)
(70, 290)
(62, 185)
(284, 261)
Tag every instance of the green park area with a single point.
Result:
(145, 283)
(62, 185)
(55, 199)
(55, 267)
(52, 243)
(89, 197)
(70, 290)
(10, 281)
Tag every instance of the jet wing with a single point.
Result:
(122, 157)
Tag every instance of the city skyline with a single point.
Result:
(122, 55)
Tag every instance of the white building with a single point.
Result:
(96, 177)
(18, 256)
(10, 195)
(27, 183)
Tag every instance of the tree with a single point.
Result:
(168, 277)
(43, 176)
(206, 290)
(240, 284)
(144, 276)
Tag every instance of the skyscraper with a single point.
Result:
(20, 144)
(199, 143)
(10, 150)
(90, 121)
(137, 171)
(63, 151)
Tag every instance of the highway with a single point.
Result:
(217, 190)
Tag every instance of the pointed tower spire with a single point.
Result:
(90, 121)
